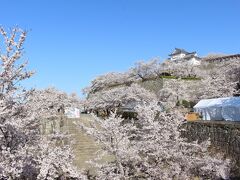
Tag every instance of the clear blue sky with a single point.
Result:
(72, 41)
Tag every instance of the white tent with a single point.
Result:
(219, 109)
(72, 113)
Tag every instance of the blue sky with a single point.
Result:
(71, 42)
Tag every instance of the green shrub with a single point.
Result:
(192, 104)
(185, 104)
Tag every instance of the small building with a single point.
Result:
(227, 109)
(72, 112)
(182, 55)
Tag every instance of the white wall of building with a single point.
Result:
(178, 56)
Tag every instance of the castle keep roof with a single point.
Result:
(181, 51)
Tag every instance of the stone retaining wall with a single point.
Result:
(224, 137)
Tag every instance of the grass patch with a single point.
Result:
(191, 78)
(169, 77)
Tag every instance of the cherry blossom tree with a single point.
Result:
(176, 90)
(55, 161)
(48, 103)
(165, 67)
(24, 152)
(17, 125)
(141, 72)
(109, 80)
(168, 97)
(118, 97)
(220, 79)
(167, 155)
(151, 148)
(145, 70)
(113, 136)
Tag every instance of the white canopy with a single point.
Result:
(219, 109)
(72, 113)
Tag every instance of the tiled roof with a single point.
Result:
(179, 51)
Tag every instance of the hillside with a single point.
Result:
(174, 82)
